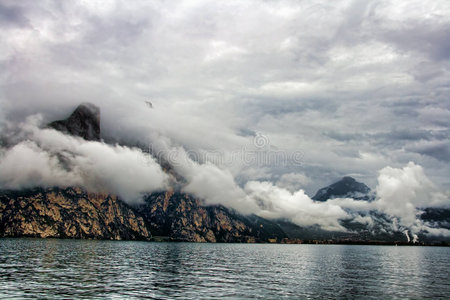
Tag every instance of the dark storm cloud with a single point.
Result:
(392, 136)
(425, 37)
(439, 150)
(12, 15)
(344, 137)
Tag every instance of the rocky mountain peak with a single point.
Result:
(346, 187)
(83, 122)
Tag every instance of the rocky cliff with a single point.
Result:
(182, 217)
(75, 213)
(68, 213)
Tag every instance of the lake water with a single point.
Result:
(50, 268)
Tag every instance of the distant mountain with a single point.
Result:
(346, 187)
(356, 232)
(83, 122)
(379, 230)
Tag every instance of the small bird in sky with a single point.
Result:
(149, 104)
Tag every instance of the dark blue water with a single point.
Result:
(106, 269)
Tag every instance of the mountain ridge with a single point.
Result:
(73, 212)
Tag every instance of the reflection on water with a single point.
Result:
(76, 268)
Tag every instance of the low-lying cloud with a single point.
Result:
(279, 203)
(46, 157)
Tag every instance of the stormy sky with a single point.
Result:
(285, 94)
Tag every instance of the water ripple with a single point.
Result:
(37, 268)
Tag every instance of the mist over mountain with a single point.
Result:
(182, 199)
(76, 213)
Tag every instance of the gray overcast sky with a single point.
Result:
(354, 86)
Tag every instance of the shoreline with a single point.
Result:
(159, 239)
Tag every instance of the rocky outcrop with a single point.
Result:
(182, 217)
(68, 213)
(83, 122)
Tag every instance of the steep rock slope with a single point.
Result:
(68, 213)
(182, 217)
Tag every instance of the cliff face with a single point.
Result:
(182, 217)
(68, 213)
(75, 213)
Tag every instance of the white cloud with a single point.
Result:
(275, 203)
(27, 165)
(293, 181)
(401, 191)
(49, 158)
